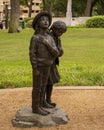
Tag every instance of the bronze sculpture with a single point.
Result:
(56, 30)
(45, 48)
(42, 52)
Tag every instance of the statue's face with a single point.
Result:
(58, 32)
(44, 22)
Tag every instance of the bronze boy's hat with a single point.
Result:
(38, 16)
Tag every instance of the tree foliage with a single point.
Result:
(99, 7)
(78, 7)
(24, 2)
(58, 7)
(87, 7)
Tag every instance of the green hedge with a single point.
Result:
(95, 22)
(29, 24)
(28, 19)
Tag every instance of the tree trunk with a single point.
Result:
(44, 5)
(30, 8)
(14, 16)
(69, 12)
(27, 3)
(51, 6)
(102, 7)
(88, 8)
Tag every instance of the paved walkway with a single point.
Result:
(84, 107)
(58, 87)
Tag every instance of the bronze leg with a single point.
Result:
(49, 94)
(36, 95)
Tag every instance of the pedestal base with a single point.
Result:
(25, 118)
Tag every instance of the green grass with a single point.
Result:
(81, 64)
(15, 68)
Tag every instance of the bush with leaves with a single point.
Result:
(29, 23)
(95, 22)
(28, 19)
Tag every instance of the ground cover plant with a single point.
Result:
(81, 64)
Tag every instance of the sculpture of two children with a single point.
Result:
(45, 48)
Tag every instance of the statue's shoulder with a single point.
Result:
(35, 37)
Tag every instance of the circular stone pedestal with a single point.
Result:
(25, 118)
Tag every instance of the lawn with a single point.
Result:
(81, 64)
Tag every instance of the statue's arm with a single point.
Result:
(61, 52)
(52, 48)
(33, 51)
(60, 49)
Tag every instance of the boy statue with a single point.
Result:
(42, 52)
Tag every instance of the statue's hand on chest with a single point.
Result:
(44, 40)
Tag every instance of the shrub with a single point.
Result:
(95, 22)
(28, 19)
(29, 24)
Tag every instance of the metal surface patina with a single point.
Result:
(44, 51)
